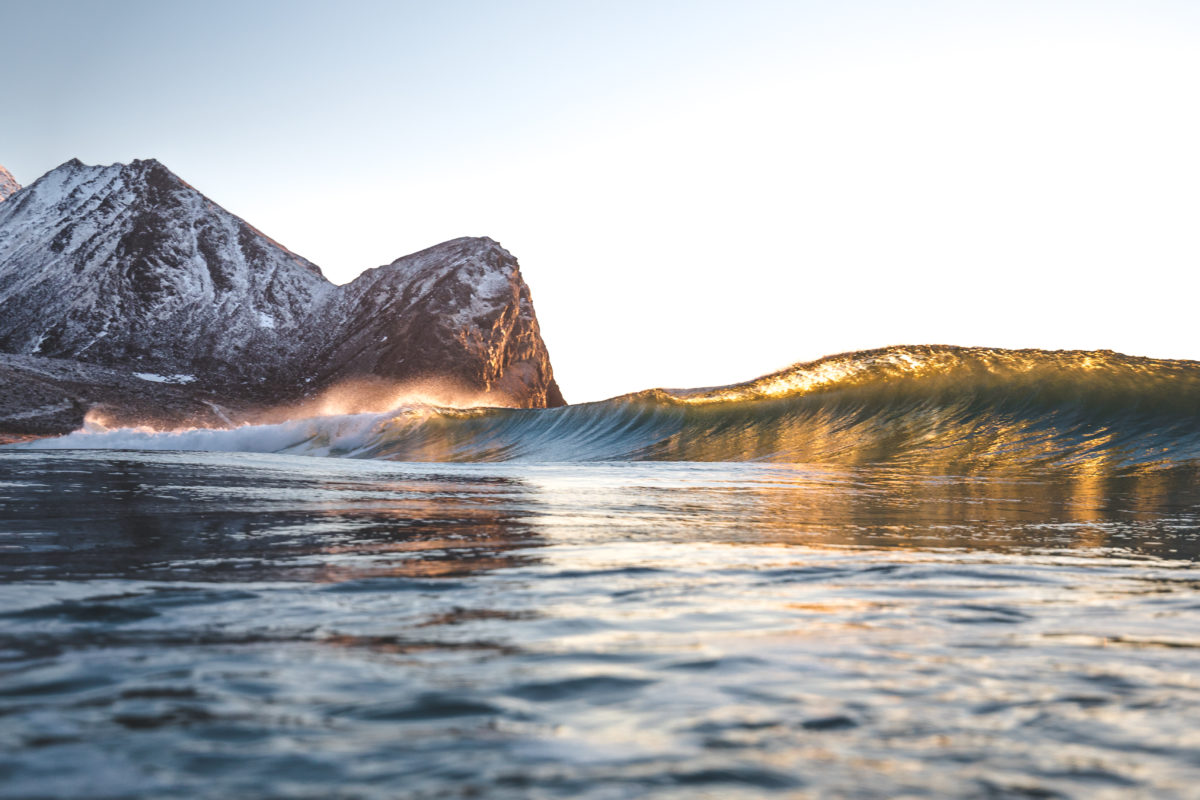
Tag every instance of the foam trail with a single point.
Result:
(333, 435)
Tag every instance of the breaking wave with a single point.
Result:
(936, 406)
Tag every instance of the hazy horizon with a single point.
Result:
(698, 194)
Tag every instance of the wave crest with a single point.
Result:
(937, 407)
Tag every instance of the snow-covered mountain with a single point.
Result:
(127, 266)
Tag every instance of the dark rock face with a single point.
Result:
(459, 310)
(128, 267)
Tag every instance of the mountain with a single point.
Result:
(129, 267)
(8, 184)
(459, 310)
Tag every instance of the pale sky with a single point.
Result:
(698, 192)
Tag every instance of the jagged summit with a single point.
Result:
(127, 265)
(8, 184)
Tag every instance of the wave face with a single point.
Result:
(937, 407)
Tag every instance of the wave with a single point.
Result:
(939, 406)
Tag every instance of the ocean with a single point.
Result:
(956, 573)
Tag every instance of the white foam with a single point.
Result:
(335, 435)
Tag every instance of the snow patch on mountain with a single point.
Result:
(156, 378)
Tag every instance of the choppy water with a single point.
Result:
(238, 625)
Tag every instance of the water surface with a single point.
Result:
(245, 625)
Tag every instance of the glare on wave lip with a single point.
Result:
(909, 361)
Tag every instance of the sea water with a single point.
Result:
(226, 625)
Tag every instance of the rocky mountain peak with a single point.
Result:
(128, 265)
(459, 309)
(8, 184)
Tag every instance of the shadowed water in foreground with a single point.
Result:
(236, 625)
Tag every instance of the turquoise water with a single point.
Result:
(250, 625)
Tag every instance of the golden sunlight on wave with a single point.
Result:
(846, 370)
